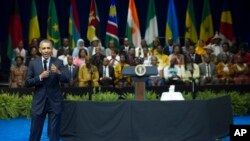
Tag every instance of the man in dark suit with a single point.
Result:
(124, 49)
(106, 74)
(45, 73)
(72, 70)
(169, 48)
(65, 46)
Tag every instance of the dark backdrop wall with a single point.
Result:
(239, 10)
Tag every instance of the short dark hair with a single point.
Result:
(19, 57)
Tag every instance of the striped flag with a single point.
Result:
(226, 24)
(206, 28)
(112, 26)
(74, 24)
(190, 31)
(94, 22)
(172, 30)
(152, 27)
(15, 30)
(34, 31)
(133, 28)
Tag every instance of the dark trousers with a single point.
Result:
(37, 122)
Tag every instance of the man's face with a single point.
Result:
(70, 60)
(20, 44)
(65, 42)
(126, 43)
(46, 50)
(105, 62)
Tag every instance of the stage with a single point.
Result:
(147, 120)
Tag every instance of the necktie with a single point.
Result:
(45, 64)
(208, 71)
(70, 73)
(104, 71)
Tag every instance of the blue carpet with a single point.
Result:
(18, 129)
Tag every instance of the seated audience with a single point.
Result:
(80, 45)
(200, 48)
(17, 73)
(207, 72)
(88, 75)
(111, 46)
(155, 80)
(98, 57)
(64, 56)
(73, 73)
(146, 57)
(121, 80)
(80, 60)
(190, 71)
(240, 72)
(161, 57)
(209, 53)
(114, 58)
(106, 73)
(32, 56)
(177, 54)
(225, 50)
(172, 73)
(225, 71)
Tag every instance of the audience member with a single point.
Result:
(73, 73)
(106, 74)
(18, 73)
(88, 75)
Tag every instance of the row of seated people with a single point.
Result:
(110, 74)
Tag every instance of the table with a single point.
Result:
(193, 120)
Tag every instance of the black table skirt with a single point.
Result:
(146, 120)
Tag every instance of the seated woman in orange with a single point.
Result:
(88, 75)
(199, 49)
(120, 80)
(241, 71)
(18, 73)
(225, 71)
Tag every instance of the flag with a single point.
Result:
(206, 28)
(15, 30)
(172, 30)
(152, 27)
(190, 31)
(94, 22)
(226, 24)
(74, 24)
(53, 32)
(112, 25)
(34, 31)
(133, 28)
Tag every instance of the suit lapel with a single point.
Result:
(52, 60)
(40, 67)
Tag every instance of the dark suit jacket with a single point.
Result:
(48, 88)
(75, 73)
(97, 61)
(111, 72)
(167, 51)
(123, 50)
